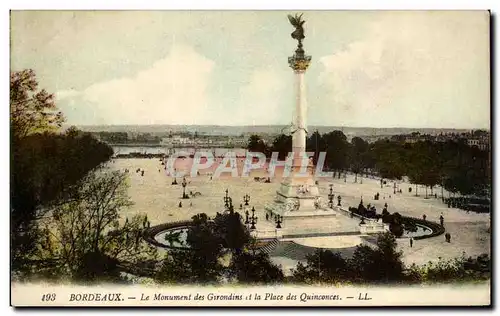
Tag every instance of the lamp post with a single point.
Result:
(184, 184)
(339, 199)
(226, 200)
(246, 199)
(331, 196)
(254, 219)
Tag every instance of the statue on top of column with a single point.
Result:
(298, 23)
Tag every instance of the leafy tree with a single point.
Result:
(282, 144)
(249, 267)
(316, 144)
(231, 231)
(358, 155)
(337, 150)
(322, 266)
(257, 144)
(83, 237)
(31, 110)
(382, 264)
(207, 240)
(396, 225)
(206, 247)
(176, 267)
(45, 166)
(390, 159)
(457, 269)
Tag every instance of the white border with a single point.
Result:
(198, 5)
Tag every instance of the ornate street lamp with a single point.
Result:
(184, 184)
(226, 200)
(254, 219)
(331, 196)
(246, 199)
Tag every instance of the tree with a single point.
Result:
(337, 150)
(45, 165)
(255, 268)
(282, 144)
(31, 110)
(358, 155)
(206, 247)
(257, 144)
(83, 237)
(382, 264)
(233, 233)
(396, 225)
(389, 159)
(322, 266)
(176, 267)
(316, 144)
(201, 263)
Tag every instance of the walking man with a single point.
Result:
(411, 242)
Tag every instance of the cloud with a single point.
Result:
(419, 69)
(174, 90)
(63, 94)
(260, 100)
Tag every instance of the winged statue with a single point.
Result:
(298, 23)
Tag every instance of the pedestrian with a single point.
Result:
(447, 237)
(267, 216)
(180, 203)
(411, 242)
(441, 219)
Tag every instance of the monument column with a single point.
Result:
(299, 64)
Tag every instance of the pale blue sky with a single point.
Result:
(379, 69)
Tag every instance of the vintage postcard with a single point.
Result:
(250, 158)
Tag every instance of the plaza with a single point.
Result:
(154, 195)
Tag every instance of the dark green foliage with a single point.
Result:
(323, 266)
(316, 144)
(206, 249)
(282, 144)
(382, 264)
(45, 169)
(97, 267)
(248, 267)
(229, 227)
(458, 269)
(257, 144)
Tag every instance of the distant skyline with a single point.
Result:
(381, 69)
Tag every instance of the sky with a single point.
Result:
(420, 69)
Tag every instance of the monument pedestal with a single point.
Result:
(298, 197)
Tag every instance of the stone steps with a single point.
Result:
(270, 247)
